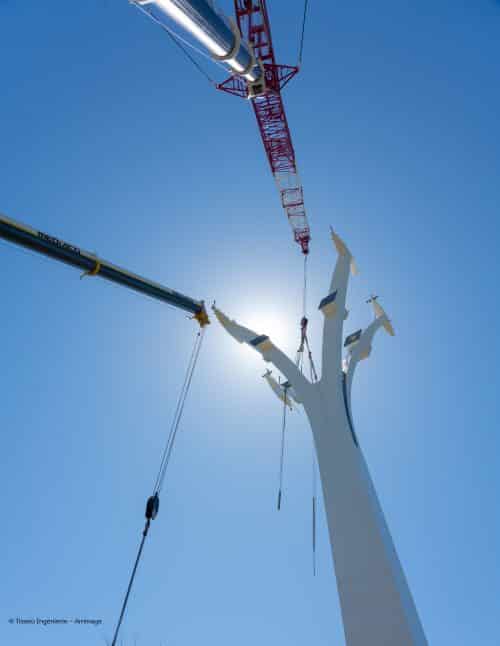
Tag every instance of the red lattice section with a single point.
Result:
(253, 22)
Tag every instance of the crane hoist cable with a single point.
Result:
(314, 487)
(314, 378)
(153, 502)
(304, 343)
(178, 413)
(312, 367)
(244, 46)
(303, 322)
(282, 453)
(301, 46)
(304, 292)
(181, 43)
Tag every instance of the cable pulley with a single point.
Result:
(153, 502)
(152, 507)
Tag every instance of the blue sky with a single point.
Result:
(111, 140)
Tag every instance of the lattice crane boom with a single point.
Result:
(246, 47)
(267, 102)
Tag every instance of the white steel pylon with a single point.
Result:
(376, 602)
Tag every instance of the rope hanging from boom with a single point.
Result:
(167, 452)
(153, 502)
(282, 454)
(304, 343)
(245, 46)
(181, 43)
(314, 486)
(301, 46)
(304, 293)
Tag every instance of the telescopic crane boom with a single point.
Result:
(91, 265)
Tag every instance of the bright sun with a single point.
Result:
(276, 325)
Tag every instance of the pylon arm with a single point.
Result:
(281, 391)
(301, 386)
(237, 331)
(362, 350)
(270, 353)
(334, 310)
(375, 600)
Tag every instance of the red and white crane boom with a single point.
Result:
(246, 48)
(267, 102)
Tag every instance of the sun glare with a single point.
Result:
(275, 325)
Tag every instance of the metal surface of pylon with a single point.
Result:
(376, 602)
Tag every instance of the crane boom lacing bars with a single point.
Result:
(244, 45)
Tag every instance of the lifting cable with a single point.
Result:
(304, 341)
(312, 367)
(304, 293)
(153, 502)
(314, 379)
(282, 454)
(299, 361)
(303, 321)
(301, 47)
(181, 43)
(314, 486)
(167, 452)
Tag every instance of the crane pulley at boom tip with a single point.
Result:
(91, 265)
(246, 47)
(52, 247)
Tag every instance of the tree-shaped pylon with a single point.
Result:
(376, 602)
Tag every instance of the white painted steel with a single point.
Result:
(279, 390)
(376, 602)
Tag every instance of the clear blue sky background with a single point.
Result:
(111, 140)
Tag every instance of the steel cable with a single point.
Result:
(152, 510)
(180, 42)
(301, 48)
